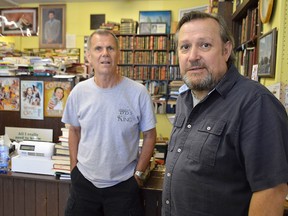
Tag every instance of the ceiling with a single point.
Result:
(17, 3)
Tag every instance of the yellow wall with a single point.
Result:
(163, 126)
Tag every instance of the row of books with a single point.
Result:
(147, 57)
(150, 72)
(245, 60)
(248, 28)
(126, 57)
(150, 42)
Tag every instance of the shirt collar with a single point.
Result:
(228, 81)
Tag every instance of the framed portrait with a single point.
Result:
(52, 32)
(19, 21)
(267, 54)
(183, 11)
(156, 17)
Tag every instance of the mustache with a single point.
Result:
(195, 64)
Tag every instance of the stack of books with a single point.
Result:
(61, 158)
(128, 26)
(173, 95)
(112, 26)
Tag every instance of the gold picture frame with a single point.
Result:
(52, 34)
(267, 54)
(265, 10)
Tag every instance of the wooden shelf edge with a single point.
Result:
(242, 9)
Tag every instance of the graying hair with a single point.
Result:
(102, 32)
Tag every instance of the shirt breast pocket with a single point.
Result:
(205, 142)
(177, 125)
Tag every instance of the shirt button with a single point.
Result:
(167, 202)
(188, 126)
(179, 150)
(208, 128)
(168, 174)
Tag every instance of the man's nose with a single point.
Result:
(193, 53)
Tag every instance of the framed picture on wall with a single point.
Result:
(267, 54)
(52, 33)
(156, 17)
(144, 28)
(152, 28)
(19, 21)
(96, 20)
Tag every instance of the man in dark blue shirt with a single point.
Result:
(228, 150)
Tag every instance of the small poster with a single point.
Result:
(32, 99)
(56, 94)
(9, 94)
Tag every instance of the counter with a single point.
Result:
(40, 195)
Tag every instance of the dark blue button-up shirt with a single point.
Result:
(231, 144)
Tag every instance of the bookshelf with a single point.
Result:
(148, 57)
(246, 28)
(151, 59)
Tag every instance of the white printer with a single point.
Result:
(33, 157)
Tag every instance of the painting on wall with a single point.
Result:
(52, 33)
(267, 54)
(156, 17)
(20, 21)
(96, 20)
(152, 28)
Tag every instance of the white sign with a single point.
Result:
(20, 134)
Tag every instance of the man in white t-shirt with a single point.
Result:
(107, 114)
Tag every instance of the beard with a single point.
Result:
(201, 84)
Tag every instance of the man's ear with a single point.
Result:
(227, 50)
(88, 56)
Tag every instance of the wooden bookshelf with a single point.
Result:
(150, 59)
(246, 28)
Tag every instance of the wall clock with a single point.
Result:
(265, 10)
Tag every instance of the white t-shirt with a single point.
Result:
(110, 120)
